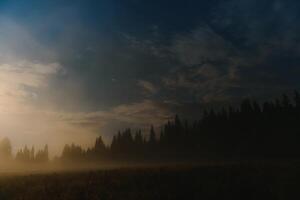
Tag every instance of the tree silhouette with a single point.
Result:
(251, 130)
(26, 155)
(5, 149)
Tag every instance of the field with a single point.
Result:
(206, 182)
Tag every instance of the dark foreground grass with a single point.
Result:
(222, 182)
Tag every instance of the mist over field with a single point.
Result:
(140, 99)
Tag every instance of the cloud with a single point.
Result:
(148, 87)
(26, 68)
(83, 127)
(141, 114)
(200, 46)
(202, 66)
(199, 85)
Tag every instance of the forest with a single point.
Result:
(250, 131)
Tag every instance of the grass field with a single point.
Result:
(223, 182)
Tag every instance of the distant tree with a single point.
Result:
(5, 149)
(152, 137)
(46, 153)
(26, 154)
(297, 99)
(138, 142)
(19, 155)
(138, 139)
(286, 103)
(32, 154)
(72, 153)
(99, 146)
(42, 156)
(114, 144)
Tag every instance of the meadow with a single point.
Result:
(152, 183)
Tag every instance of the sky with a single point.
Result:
(73, 70)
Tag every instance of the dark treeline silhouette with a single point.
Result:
(252, 130)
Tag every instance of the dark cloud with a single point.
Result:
(136, 61)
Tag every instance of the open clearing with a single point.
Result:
(206, 182)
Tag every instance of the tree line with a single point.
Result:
(251, 130)
(24, 154)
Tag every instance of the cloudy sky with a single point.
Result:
(73, 70)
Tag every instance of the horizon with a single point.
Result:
(283, 109)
